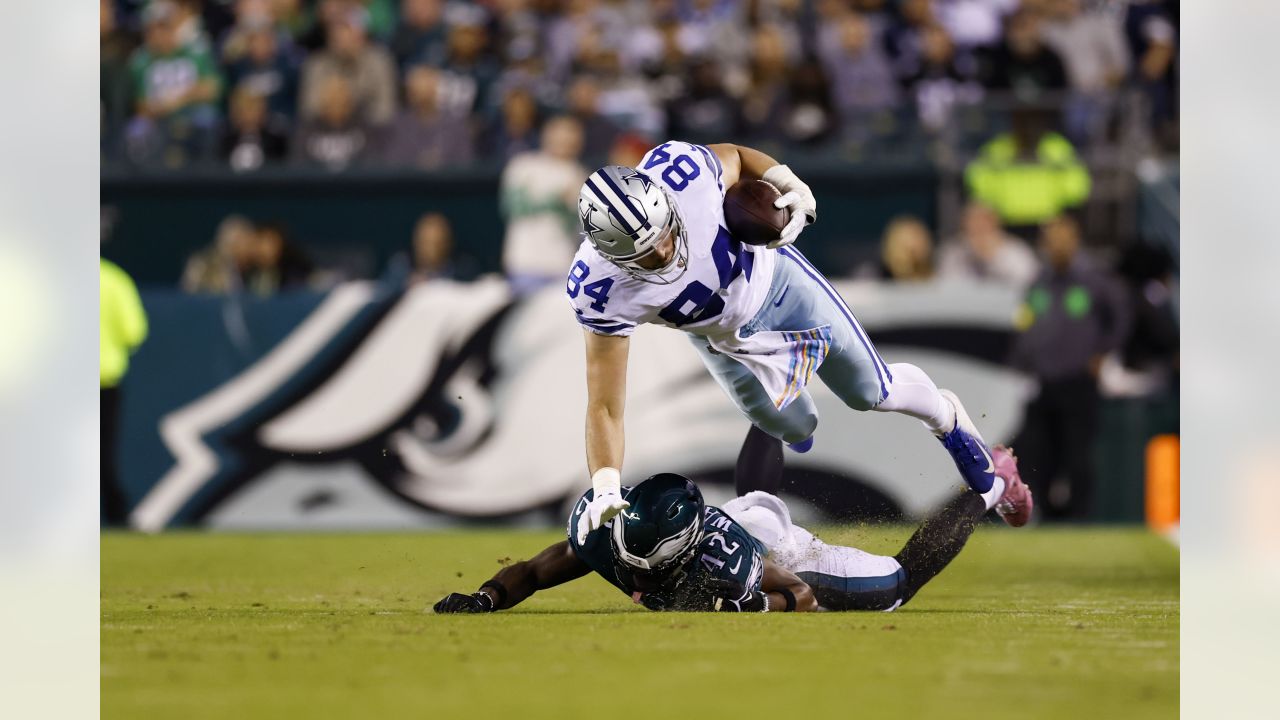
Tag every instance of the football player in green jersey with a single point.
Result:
(671, 551)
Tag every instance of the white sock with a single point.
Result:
(992, 496)
(913, 393)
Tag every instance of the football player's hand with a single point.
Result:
(733, 596)
(599, 511)
(797, 223)
(797, 196)
(479, 602)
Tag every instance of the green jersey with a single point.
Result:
(164, 77)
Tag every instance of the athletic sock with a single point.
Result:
(939, 539)
(759, 463)
(913, 393)
(992, 496)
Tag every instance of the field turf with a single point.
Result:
(1039, 623)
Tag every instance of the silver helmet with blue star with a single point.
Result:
(626, 216)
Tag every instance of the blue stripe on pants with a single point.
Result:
(876, 361)
(804, 262)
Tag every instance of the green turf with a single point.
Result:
(1031, 624)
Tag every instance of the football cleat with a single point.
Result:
(967, 449)
(1016, 503)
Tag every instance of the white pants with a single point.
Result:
(842, 578)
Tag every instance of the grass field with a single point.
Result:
(1041, 623)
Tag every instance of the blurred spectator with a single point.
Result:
(764, 104)
(278, 264)
(253, 138)
(311, 21)
(115, 46)
(420, 36)
(263, 64)
(1022, 64)
(942, 79)
(299, 20)
(581, 29)
(1073, 316)
(337, 138)
(382, 17)
(664, 56)
(1151, 29)
(190, 26)
(222, 267)
(470, 69)
(424, 135)
(626, 98)
(539, 200)
(432, 249)
(1148, 361)
(598, 131)
(122, 326)
(906, 253)
(974, 23)
(705, 113)
(175, 88)
(1091, 46)
(365, 66)
(904, 36)
(516, 130)
(1028, 175)
(862, 79)
(712, 28)
(985, 252)
(785, 104)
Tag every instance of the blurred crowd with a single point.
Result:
(430, 84)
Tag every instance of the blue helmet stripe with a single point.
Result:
(613, 210)
(626, 200)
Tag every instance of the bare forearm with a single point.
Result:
(754, 163)
(778, 579)
(805, 602)
(604, 438)
(553, 566)
(741, 162)
(519, 582)
(606, 400)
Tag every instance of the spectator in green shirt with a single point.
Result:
(175, 90)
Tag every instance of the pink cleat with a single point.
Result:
(1016, 503)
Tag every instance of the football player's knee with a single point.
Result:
(790, 429)
(866, 394)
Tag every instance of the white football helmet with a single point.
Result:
(625, 214)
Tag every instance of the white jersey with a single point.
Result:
(726, 281)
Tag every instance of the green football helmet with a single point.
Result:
(656, 537)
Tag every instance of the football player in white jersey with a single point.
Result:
(655, 249)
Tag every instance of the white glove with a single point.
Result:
(606, 502)
(795, 195)
(600, 510)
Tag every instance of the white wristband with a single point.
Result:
(607, 481)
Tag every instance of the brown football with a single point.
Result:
(750, 215)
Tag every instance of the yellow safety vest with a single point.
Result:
(1028, 192)
(122, 322)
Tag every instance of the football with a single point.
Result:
(750, 215)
